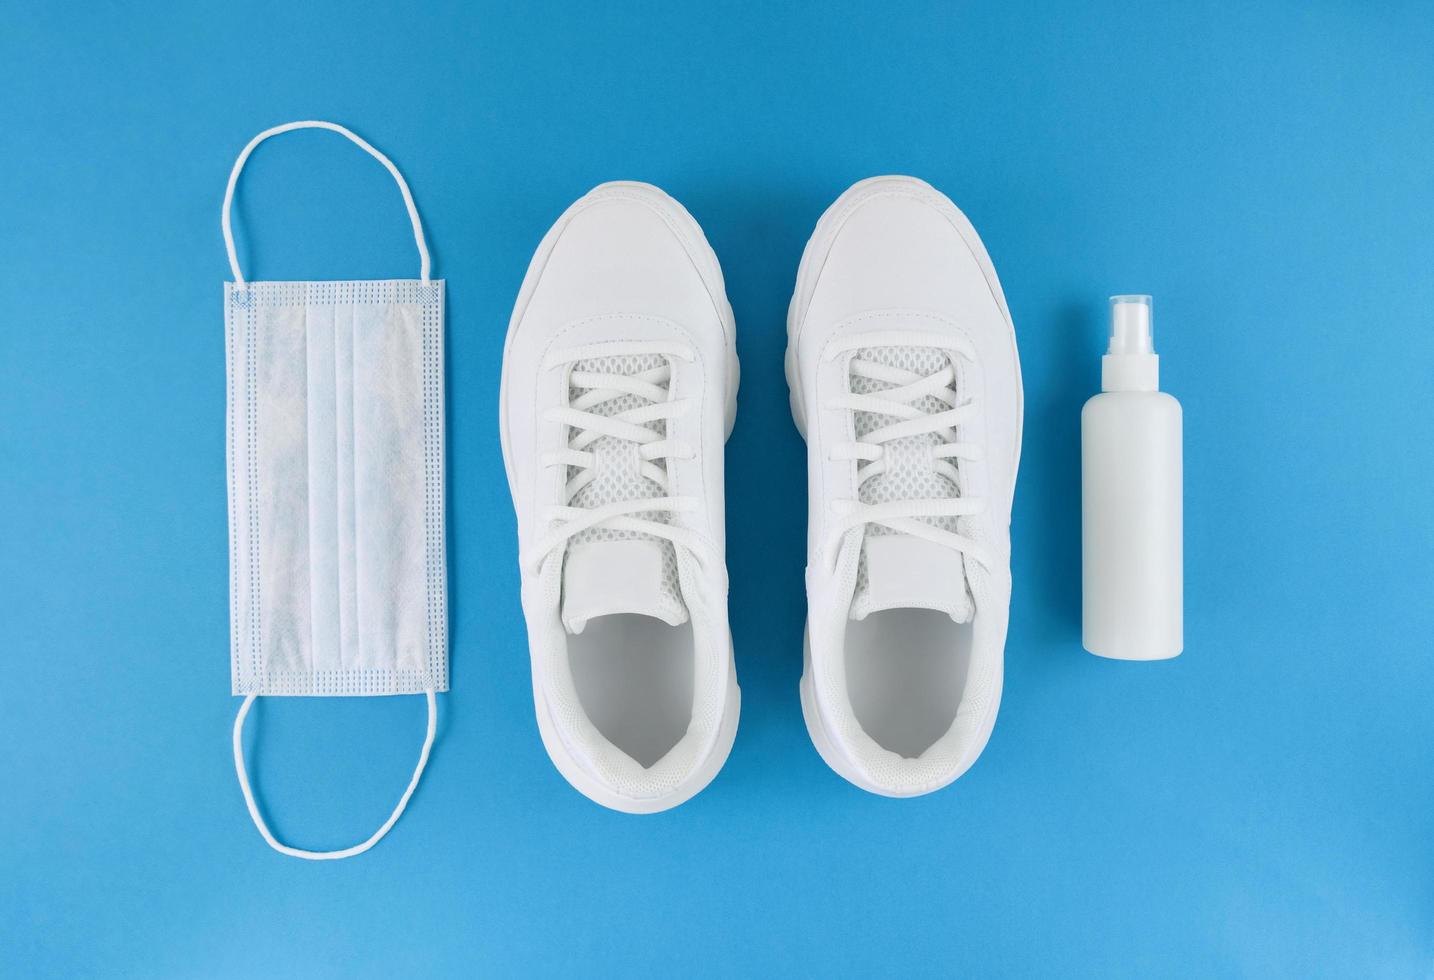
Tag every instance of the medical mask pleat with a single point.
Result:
(283, 490)
(346, 553)
(323, 490)
(338, 583)
(388, 483)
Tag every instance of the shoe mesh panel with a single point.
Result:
(910, 474)
(618, 476)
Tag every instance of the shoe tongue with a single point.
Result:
(899, 571)
(608, 578)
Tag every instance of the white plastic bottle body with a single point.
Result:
(1132, 549)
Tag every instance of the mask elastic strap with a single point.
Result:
(363, 145)
(348, 851)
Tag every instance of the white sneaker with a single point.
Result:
(902, 364)
(619, 389)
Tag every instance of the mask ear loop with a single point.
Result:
(358, 141)
(378, 835)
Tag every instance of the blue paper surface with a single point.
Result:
(1262, 805)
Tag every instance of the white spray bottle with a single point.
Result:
(1132, 552)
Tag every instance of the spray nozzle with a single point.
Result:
(1132, 328)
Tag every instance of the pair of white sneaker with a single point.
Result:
(619, 390)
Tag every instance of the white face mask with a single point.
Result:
(335, 445)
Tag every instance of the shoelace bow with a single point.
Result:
(654, 449)
(900, 402)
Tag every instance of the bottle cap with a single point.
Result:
(1130, 363)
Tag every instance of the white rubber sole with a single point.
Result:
(685, 227)
(808, 272)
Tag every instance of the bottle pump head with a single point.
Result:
(1130, 362)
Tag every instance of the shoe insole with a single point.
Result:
(906, 673)
(634, 679)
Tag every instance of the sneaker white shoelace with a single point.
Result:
(651, 390)
(903, 400)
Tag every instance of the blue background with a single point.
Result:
(1262, 805)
